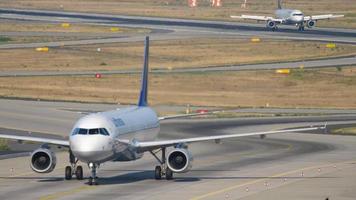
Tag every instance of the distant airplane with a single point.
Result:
(288, 17)
(124, 134)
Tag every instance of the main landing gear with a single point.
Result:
(162, 170)
(73, 169)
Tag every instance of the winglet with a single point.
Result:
(144, 84)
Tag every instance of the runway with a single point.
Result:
(182, 27)
(244, 168)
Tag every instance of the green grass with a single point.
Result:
(297, 74)
(3, 145)
(4, 39)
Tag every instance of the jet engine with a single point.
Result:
(43, 160)
(179, 160)
(271, 25)
(311, 23)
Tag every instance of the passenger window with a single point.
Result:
(103, 131)
(94, 131)
(83, 131)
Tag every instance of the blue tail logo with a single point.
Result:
(144, 84)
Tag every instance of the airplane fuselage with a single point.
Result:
(290, 16)
(96, 138)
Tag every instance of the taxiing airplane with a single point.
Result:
(288, 17)
(124, 134)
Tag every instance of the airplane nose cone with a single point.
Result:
(89, 148)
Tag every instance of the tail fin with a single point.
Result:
(144, 85)
(279, 4)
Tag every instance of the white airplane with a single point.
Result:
(124, 134)
(288, 17)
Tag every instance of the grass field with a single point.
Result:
(180, 9)
(331, 87)
(168, 54)
(43, 32)
(18, 26)
(3, 145)
(4, 39)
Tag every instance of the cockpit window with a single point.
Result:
(103, 131)
(297, 14)
(75, 131)
(83, 131)
(95, 131)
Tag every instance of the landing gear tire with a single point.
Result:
(90, 181)
(68, 173)
(79, 173)
(169, 174)
(93, 179)
(158, 173)
(301, 28)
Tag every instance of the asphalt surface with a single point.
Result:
(165, 29)
(236, 169)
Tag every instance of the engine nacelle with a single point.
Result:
(311, 23)
(43, 160)
(179, 160)
(271, 25)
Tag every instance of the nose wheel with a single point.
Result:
(93, 179)
(301, 27)
(73, 169)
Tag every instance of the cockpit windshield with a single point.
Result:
(298, 14)
(95, 131)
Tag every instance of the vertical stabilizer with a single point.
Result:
(279, 4)
(144, 85)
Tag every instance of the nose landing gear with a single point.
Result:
(301, 27)
(93, 179)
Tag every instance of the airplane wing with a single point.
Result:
(320, 17)
(258, 18)
(152, 145)
(64, 143)
(188, 115)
